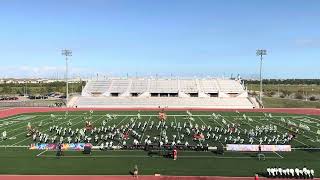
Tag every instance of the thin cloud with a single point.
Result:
(308, 42)
(41, 71)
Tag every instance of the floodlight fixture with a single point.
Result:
(261, 53)
(67, 53)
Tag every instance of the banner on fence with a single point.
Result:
(72, 146)
(255, 148)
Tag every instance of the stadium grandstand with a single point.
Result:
(148, 92)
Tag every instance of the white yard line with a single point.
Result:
(64, 123)
(305, 148)
(102, 116)
(9, 118)
(239, 127)
(219, 125)
(122, 121)
(15, 135)
(175, 120)
(226, 157)
(202, 121)
(279, 130)
(284, 127)
(318, 120)
(264, 116)
(309, 126)
(214, 121)
(102, 156)
(92, 122)
(99, 143)
(145, 156)
(46, 130)
(155, 115)
(256, 121)
(7, 146)
(278, 154)
(287, 128)
(41, 153)
(145, 129)
(314, 122)
(18, 123)
(168, 115)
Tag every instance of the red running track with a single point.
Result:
(21, 110)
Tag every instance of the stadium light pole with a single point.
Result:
(67, 53)
(261, 53)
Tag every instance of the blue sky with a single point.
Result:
(164, 37)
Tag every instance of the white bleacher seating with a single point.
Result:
(188, 86)
(96, 87)
(139, 86)
(163, 86)
(213, 93)
(209, 85)
(119, 85)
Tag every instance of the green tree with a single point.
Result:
(298, 96)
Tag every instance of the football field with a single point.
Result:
(16, 158)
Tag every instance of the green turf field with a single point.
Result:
(17, 159)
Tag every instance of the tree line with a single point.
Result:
(286, 81)
(40, 88)
(307, 89)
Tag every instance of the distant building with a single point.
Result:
(35, 80)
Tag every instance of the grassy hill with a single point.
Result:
(270, 102)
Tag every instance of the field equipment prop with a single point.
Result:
(175, 154)
(59, 150)
(220, 149)
(87, 149)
